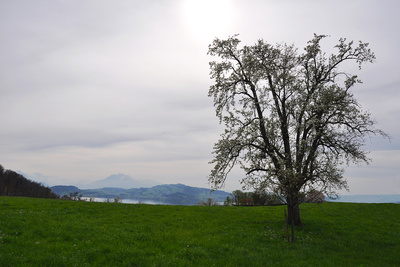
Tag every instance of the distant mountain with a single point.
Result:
(175, 194)
(62, 190)
(367, 199)
(120, 181)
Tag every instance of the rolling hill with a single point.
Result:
(175, 194)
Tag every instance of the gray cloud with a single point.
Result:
(94, 88)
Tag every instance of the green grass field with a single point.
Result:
(43, 232)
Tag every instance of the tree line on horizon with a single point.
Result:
(16, 185)
(264, 198)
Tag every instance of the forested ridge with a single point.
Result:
(16, 185)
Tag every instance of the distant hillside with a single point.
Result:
(175, 194)
(62, 190)
(367, 199)
(120, 181)
(16, 185)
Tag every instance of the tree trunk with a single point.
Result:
(294, 212)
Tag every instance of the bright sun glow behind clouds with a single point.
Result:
(206, 19)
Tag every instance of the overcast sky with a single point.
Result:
(93, 88)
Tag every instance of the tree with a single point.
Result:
(315, 196)
(240, 198)
(264, 198)
(228, 201)
(208, 202)
(291, 119)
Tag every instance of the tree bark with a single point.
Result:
(294, 213)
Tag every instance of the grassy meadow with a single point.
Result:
(44, 232)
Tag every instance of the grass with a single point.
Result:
(43, 232)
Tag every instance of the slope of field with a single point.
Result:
(46, 232)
